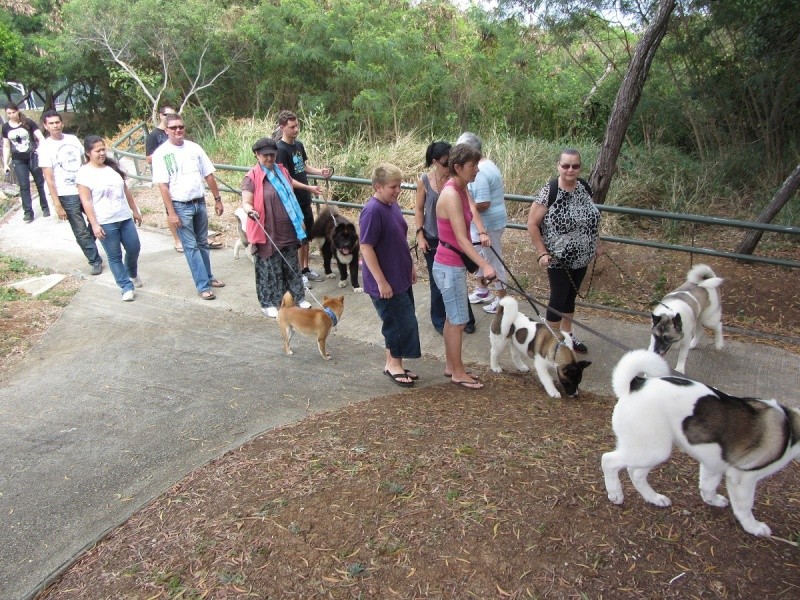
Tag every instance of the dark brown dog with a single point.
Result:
(338, 239)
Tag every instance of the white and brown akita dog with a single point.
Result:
(550, 353)
(680, 316)
(743, 439)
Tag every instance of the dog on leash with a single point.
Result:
(551, 354)
(338, 239)
(241, 242)
(309, 321)
(742, 439)
(680, 316)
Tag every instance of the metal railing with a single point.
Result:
(136, 136)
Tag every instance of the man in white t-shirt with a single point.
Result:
(181, 169)
(60, 157)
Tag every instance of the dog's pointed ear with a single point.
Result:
(677, 320)
(656, 318)
(583, 364)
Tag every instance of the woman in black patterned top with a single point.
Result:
(565, 235)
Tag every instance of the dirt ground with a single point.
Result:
(444, 493)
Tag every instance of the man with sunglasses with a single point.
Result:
(153, 140)
(181, 168)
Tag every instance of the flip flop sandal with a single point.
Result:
(470, 373)
(411, 376)
(397, 377)
(217, 283)
(179, 249)
(207, 295)
(470, 385)
(215, 245)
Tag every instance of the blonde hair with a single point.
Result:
(385, 173)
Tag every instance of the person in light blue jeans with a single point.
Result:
(112, 213)
(181, 169)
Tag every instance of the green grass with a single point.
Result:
(659, 177)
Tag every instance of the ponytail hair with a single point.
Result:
(89, 143)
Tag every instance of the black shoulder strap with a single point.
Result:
(553, 193)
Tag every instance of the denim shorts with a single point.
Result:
(452, 282)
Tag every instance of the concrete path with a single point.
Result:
(119, 401)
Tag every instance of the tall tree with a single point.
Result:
(627, 99)
(781, 198)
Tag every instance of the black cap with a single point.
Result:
(265, 145)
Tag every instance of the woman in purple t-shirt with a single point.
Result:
(388, 272)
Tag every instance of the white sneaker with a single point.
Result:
(137, 282)
(492, 308)
(127, 296)
(312, 275)
(479, 296)
(270, 311)
(304, 304)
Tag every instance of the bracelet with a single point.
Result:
(419, 229)
(218, 198)
(482, 233)
(541, 255)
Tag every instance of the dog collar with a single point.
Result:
(332, 315)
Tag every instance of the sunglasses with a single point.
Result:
(568, 166)
(177, 128)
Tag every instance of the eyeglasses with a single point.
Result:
(568, 166)
(177, 128)
(167, 114)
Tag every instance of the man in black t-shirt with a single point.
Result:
(292, 155)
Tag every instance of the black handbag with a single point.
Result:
(470, 264)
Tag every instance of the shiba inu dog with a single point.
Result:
(309, 321)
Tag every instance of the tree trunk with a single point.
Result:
(788, 189)
(627, 98)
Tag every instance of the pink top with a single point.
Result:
(445, 256)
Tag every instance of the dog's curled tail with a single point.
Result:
(287, 300)
(510, 312)
(634, 364)
(703, 276)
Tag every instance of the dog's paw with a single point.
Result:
(497, 369)
(327, 357)
(660, 500)
(716, 500)
(359, 290)
(616, 496)
(757, 528)
(330, 275)
(719, 345)
(343, 283)
(554, 394)
(289, 352)
(523, 368)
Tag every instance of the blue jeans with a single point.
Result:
(23, 172)
(437, 304)
(400, 329)
(119, 235)
(194, 238)
(83, 233)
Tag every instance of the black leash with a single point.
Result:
(533, 302)
(255, 216)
